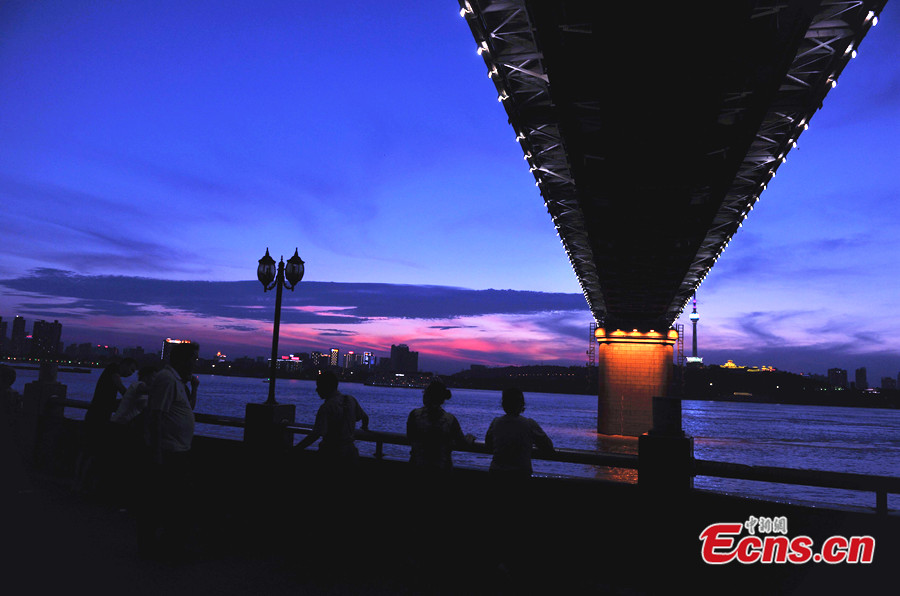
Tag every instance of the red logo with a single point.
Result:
(724, 543)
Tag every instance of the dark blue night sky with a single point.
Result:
(150, 152)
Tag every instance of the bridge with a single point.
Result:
(651, 134)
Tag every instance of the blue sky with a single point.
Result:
(175, 141)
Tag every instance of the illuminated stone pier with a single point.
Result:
(634, 368)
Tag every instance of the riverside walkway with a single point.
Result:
(273, 523)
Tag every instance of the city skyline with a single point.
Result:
(153, 151)
(341, 357)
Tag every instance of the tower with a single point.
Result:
(694, 318)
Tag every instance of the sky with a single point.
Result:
(150, 153)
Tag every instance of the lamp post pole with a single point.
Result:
(279, 284)
(264, 426)
(271, 278)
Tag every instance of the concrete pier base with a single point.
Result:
(666, 453)
(633, 367)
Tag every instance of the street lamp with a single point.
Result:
(287, 275)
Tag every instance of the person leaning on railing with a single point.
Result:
(511, 437)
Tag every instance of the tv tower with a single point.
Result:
(694, 318)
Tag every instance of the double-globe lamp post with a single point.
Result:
(287, 275)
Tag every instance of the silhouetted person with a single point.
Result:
(511, 437)
(433, 432)
(130, 434)
(164, 518)
(97, 442)
(334, 471)
(335, 422)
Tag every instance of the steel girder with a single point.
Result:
(741, 121)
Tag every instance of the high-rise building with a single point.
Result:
(17, 339)
(167, 347)
(837, 377)
(888, 383)
(862, 383)
(403, 360)
(2, 337)
(335, 357)
(352, 360)
(45, 339)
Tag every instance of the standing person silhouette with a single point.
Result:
(91, 468)
(433, 432)
(335, 468)
(335, 422)
(164, 518)
(511, 437)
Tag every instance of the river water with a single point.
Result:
(858, 440)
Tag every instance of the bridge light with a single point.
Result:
(483, 47)
(492, 72)
(465, 10)
(520, 137)
(503, 96)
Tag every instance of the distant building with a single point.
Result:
(17, 339)
(136, 353)
(335, 357)
(167, 347)
(888, 383)
(289, 363)
(3, 347)
(837, 377)
(862, 383)
(403, 360)
(352, 360)
(45, 339)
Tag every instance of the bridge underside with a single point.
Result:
(651, 131)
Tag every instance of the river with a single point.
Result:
(858, 440)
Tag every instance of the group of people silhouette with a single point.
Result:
(433, 433)
(137, 439)
(137, 448)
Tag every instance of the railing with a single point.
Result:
(882, 486)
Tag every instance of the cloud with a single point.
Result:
(450, 327)
(315, 302)
(336, 333)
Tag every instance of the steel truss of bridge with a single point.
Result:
(652, 130)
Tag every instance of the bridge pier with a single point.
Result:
(634, 367)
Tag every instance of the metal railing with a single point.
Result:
(881, 486)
